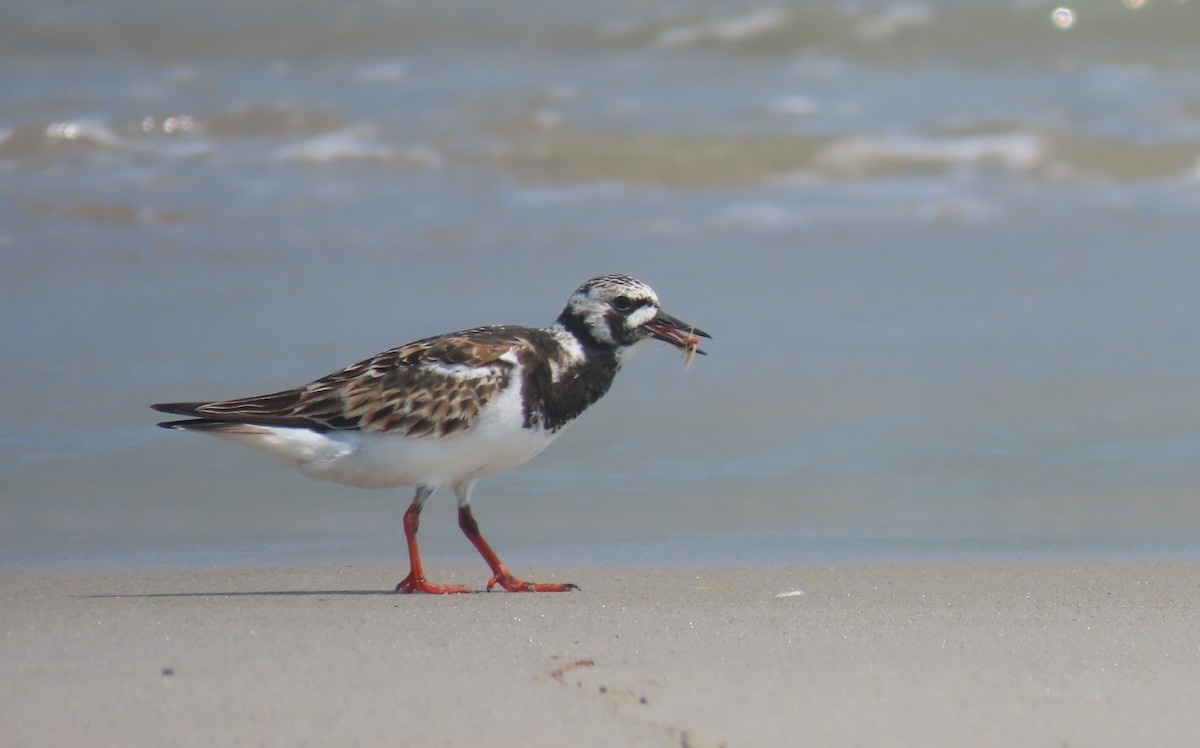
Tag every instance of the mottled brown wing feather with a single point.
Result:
(433, 387)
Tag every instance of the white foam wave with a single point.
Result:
(98, 133)
(83, 131)
(357, 143)
(1015, 151)
(729, 29)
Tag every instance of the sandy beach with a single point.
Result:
(936, 655)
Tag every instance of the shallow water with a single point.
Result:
(947, 252)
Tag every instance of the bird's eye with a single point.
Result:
(622, 304)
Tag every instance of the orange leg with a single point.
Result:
(415, 581)
(501, 575)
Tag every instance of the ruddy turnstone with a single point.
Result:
(448, 410)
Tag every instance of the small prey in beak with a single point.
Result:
(678, 333)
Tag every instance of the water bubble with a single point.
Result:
(182, 123)
(62, 130)
(1064, 18)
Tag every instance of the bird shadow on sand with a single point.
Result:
(243, 593)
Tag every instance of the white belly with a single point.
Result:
(495, 442)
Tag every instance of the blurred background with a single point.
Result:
(947, 251)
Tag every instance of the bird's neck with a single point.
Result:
(564, 385)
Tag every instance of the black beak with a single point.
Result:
(676, 332)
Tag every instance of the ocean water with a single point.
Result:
(949, 253)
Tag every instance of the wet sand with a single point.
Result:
(931, 655)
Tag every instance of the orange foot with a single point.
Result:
(512, 584)
(418, 584)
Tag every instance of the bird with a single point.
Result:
(445, 411)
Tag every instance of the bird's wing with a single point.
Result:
(433, 387)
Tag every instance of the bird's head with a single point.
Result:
(617, 311)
